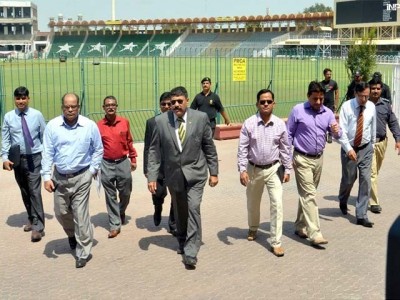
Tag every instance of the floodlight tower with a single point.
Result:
(113, 10)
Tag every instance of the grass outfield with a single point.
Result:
(137, 83)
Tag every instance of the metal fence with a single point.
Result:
(137, 82)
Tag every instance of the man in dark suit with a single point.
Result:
(161, 193)
(183, 138)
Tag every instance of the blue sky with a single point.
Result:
(153, 9)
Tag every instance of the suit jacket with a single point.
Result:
(198, 150)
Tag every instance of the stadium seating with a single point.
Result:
(130, 45)
(98, 45)
(194, 44)
(256, 42)
(159, 43)
(65, 45)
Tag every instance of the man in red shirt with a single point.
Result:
(116, 167)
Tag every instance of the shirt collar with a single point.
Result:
(261, 121)
(307, 105)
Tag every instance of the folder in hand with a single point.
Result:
(14, 155)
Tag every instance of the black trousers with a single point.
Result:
(27, 175)
(158, 199)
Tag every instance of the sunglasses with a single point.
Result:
(180, 101)
(21, 98)
(165, 103)
(262, 102)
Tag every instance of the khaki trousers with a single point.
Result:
(255, 187)
(308, 173)
(377, 160)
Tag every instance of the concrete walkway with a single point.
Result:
(141, 263)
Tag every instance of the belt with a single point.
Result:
(361, 147)
(380, 139)
(263, 166)
(115, 161)
(74, 174)
(318, 155)
(29, 155)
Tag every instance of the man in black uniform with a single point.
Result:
(161, 192)
(209, 102)
(385, 88)
(384, 117)
(350, 89)
(331, 95)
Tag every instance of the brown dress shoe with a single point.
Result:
(28, 227)
(36, 236)
(319, 241)
(278, 251)
(301, 234)
(113, 233)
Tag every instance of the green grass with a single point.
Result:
(138, 82)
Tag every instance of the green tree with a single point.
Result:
(317, 7)
(361, 56)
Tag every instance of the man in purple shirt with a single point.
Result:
(263, 148)
(307, 127)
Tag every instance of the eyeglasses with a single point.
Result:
(68, 107)
(165, 103)
(111, 105)
(262, 102)
(21, 98)
(180, 101)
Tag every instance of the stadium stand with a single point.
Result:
(98, 45)
(130, 45)
(194, 44)
(159, 43)
(256, 42)
(66, 45)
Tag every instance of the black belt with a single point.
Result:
(115, 161)
(380, 139)
(264, 166)
(29, 155)
(74, 174)
(361, 147)
(318, 155)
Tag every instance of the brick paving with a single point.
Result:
(141, 263)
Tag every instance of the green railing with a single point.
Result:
(137, 82)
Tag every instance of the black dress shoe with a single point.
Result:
(376, 209)
(81, 262)
(343, 208)
(365, 223)
(157, 214)
(36, 236)
(190, 261)
(72, 242)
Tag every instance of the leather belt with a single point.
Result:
(29, 155)
(361, 147)
(318, 155)
(115, 161)
(74, 174)
(264, 166)
(380, 139)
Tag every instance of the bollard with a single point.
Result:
(393, 262)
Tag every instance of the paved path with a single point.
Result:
(141, 263)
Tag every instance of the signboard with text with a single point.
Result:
(239, 69)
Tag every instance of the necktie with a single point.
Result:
(25, 130)
(181, 130)
(359, 130)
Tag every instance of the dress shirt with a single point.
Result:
(71, 148)
(263, 144)
(184, 117)
(348, 122)
(307, 128)
(385, 116)
(117, 139)
(12, 131)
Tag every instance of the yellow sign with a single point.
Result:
(239, 69)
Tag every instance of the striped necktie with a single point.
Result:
(359, 130)
(181, 130)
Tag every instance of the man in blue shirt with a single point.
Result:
(73, 144)
(22, 135)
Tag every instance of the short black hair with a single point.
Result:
(326, 70)
(375, 81)
(361, 86)
(315, 87)
(179, 91)
(109, 97)
(264, 91)
(21, 91)
(165, 96)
